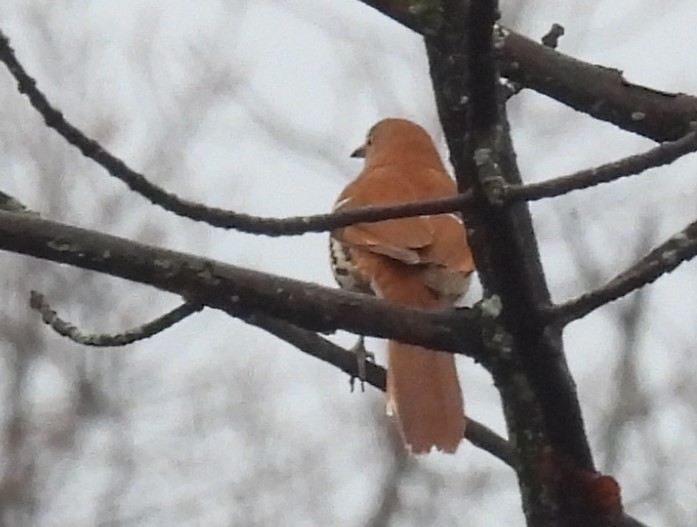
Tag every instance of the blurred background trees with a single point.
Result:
(255, 106)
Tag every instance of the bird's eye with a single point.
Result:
(370, 137)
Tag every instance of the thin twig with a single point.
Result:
(660, 155)
(147, 330)
(213, 216)
(312, 344)
(662, 260)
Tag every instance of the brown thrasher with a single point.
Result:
(422, 261)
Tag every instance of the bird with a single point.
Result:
(423, 262)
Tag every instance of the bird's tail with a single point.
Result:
(423, 391)
(424, 394)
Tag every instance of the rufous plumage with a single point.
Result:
(422, 261)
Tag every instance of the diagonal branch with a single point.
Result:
(427, 21)
(663, 259)
(142, 332)
(483, 437)
(308, 342)
(660, 155)
(602, 93)
(216, 217)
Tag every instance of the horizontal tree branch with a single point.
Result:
(663, 259)
(662, 154)
(241, 292)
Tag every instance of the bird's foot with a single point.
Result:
(362, 357)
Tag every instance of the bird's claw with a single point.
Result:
(362, 357)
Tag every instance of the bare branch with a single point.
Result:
(312, 344)
(597, 91)
(215, 217)
(594, 90)
(489, 441)
(550, 40)
(663, 154)
(483, 72)
(426, 22)
(508, 263)
(11, 204)
(663, 259)
(242, 292)
(147, 330)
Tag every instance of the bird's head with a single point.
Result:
(394, 139)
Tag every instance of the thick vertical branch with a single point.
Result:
(506, 248)
(541, 406)
(450, 68)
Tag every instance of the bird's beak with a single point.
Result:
(359, 152)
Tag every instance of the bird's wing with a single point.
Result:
(438, 239)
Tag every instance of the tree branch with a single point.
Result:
(316, 346)
(489, 441)
(663, 259)
(306, 341)
(142, 332)
(662, 154)
(511, 267)
(594, 90)
(597, 91)
(213, 216)
(239, 291)
(508, 262)
(427, 21)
